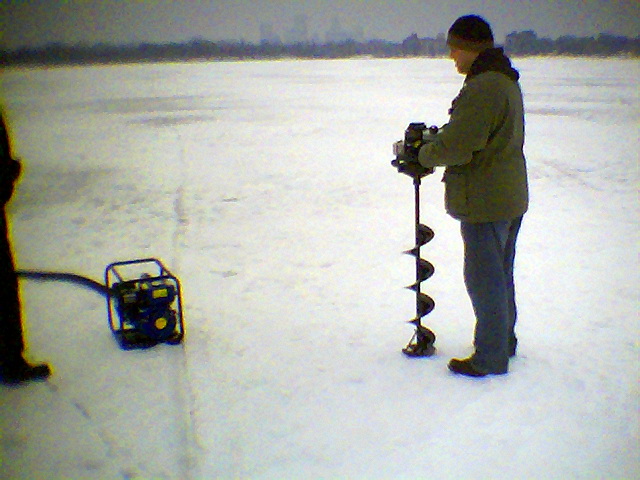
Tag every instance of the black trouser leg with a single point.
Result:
(11, 338)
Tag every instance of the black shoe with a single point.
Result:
(465, 367)
(24, 372)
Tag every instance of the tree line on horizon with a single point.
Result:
(525, 43)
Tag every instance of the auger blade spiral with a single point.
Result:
(421, 344)
(424, 305)
(424, 234)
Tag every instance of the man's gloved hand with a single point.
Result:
(409, 165)
(406, 151)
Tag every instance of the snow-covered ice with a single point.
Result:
(266, 187)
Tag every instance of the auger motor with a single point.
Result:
(406, 151)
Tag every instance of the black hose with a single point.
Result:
(64, 277)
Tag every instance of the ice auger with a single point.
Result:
(416, 135)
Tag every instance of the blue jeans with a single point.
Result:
(489, 252)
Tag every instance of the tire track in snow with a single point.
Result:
(109, 444)
(185, 397)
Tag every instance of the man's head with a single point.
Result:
(468, 36)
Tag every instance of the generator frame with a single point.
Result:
(126, 279)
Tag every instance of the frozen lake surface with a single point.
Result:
(266, 187)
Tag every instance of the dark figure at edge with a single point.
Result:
(14, 369)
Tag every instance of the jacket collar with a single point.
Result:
(493, 60)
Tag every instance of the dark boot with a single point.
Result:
(15, 372)
(465, 367)
(470, 369)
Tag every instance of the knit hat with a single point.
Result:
(470, 33)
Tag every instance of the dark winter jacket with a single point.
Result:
(482, 144)
(9, 168)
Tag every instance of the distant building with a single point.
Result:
(337, 34)
(298, 32)
(268, 34)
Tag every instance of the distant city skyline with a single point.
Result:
(33, 23)
(299, 31)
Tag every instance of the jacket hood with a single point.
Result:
(493, 60)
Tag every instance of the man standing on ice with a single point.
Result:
(485, 187)
(14, 369)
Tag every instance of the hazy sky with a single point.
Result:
(24, 22)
